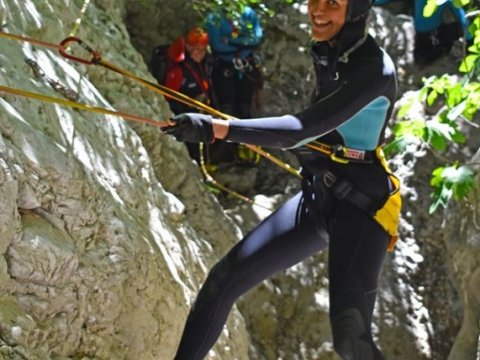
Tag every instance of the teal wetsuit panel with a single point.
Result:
(363, 130)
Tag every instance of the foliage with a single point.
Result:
(458, 98)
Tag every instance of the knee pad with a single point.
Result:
(347, 327)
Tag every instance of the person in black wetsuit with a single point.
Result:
(344, 195)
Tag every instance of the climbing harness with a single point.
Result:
(385, 212)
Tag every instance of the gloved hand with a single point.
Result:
(192, 128)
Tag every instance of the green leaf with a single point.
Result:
(452, 181)
(422, 96)
(432, 96)
(454, 95)
(399, 144)
(454, 174)
(430, 8)
(455, 133)
(458, 138)
(456, 111)
(469, 63)
(437, 179)
(438, 134)
(405, 108)
(414, 128)
(461, 3)
(473, 104)
(441, 197)
(442, 190)
(440, 84)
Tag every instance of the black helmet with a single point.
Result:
(358, 9)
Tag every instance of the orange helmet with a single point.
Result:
(197, 36)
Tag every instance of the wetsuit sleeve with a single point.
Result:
(328, 113)
(174, 78)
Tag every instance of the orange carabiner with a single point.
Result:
(63, 51)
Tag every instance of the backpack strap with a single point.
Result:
(343, 190)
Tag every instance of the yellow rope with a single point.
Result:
(81, 106)
(78, 21)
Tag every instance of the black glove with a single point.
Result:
(191, 127)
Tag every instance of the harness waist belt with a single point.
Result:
(342, 152)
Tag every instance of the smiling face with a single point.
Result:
(326, 17)
(197, 52)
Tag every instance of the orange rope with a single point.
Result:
(29, 40)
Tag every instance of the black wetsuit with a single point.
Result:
(352, 104)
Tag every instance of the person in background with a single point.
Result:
(236, 74)
(349, 202)
(435, 34)
(190, 74)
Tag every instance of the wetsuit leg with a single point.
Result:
(245, 88)
(223, 81)
(354, 266)
(282, 240)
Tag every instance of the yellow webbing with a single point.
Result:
(389, 215)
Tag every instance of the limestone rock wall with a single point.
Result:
(99, 260)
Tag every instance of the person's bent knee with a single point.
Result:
(347, 329)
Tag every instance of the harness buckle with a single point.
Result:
(329, 179)
(339, 154)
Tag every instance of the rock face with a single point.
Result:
(107, 231)
(99, 259)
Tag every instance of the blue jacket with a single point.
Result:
(428, 24)
(228, 41)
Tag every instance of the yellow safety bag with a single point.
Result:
(389, 215)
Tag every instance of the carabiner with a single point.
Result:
(335, 150)
(63, 51)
